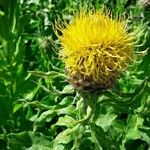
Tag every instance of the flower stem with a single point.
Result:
(87, 108)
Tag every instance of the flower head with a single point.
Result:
(95, 48)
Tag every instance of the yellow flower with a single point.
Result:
(95, 49)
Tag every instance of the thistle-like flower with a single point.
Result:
(95, 49)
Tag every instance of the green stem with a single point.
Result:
(87, 117)
(87, 108)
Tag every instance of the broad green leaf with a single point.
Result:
(145, 134)
(19, 140)
(133, 123)
(68, 89)
(70, 110)
(78, 137)
(100, 139)
(59, 147)
(68, 100)
(119, 126)
(34, 1)
(1, 13)
(40, 141)
(30, 95)
(105, 120)
(139, 92)
(16, 107)
(65, 121)
(66, 136)
(45, 117)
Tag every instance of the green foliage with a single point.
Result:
(39, 110)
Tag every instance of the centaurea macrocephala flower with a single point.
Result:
(95, 49)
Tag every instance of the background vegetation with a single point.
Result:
(39, 110)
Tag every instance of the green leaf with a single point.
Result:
(16, 107)
(59, 147)
(5, 109)
(45, 117)
(139, 93)
(40, 141)
(100, 139)
(68, 89)
(3, 89)
(145, 134)
(105, 120)
(65, 121)
(1, 13)
(20, 140)
(119, 126)
(132, 132)
(30, 95)
(50, 74)
(70, 110)
(66, 136)
(34, 1)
